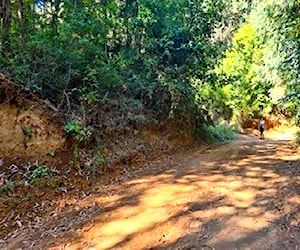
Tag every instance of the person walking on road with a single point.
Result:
(262, 128)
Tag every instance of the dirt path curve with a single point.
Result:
(241, 195)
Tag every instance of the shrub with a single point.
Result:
(80, 136)
(77, 132)
(219, 133)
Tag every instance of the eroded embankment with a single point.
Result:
(28, 130)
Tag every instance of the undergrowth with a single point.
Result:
(297, 140)
(219, 133)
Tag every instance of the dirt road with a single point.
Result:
(243, 194)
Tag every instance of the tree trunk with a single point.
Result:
(54, 22)
(6, 24)
(20, 15)
(139, 30)
(127, 24)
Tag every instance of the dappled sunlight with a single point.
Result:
(243, 198)
(118, 229)
(283, 133)
(294, 200)
(215, 211)
(215, 201)
(156, 206)
(235, 228)
(166, 194)
(149, 124)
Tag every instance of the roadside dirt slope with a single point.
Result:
(28, 130)
(240, 195)
(27, 127)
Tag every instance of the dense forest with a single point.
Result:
(186, 62)
(111, 118)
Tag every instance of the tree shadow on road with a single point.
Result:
(242, 195)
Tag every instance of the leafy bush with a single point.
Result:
(80, 135)
(77, 132)
(219, 133)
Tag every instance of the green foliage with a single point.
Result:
(240, 65)
(94, 48)
(79, 133)
(40, 172)
(219, 133)
(281, 62)
(261, 65)
(99, 159)
(178, 59)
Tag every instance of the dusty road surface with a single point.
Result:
(243, 194)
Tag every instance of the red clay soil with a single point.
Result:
(243, 194)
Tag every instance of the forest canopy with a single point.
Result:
(180, 59)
